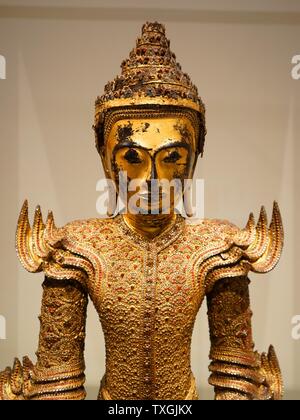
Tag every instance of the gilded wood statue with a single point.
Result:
(148, 272)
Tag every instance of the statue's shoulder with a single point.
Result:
(213, 229)
(230, 251)
(85, 229)
(43, 247)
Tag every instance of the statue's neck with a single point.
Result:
(149, 225)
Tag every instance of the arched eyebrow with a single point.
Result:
(175, 143)
(127, 143)
(164, 146)
(132, 144)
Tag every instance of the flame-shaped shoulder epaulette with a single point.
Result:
(40, 248)
(262, 245)
(255, 248)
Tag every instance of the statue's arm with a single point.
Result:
(59, 371)
(237, 371)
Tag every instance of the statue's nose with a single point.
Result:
(153, 172)
(152, 181)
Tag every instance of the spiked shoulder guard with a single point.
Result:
(40, 248)
(255, 248)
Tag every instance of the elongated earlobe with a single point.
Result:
(187, 200)
(112, 202)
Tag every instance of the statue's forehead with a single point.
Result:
(153, 131)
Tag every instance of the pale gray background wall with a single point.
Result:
(59, 56)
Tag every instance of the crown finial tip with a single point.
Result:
(153, 27)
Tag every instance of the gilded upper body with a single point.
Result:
(147, 293)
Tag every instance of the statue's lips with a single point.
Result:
(154, 198)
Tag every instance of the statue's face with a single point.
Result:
(151, 151)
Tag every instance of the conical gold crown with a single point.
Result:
(150, 76)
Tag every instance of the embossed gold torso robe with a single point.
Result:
(147, 294)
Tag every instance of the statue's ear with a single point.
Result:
(99, 138)
(195, 162)
(101, 151)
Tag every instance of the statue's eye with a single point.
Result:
(132, 156)
(172, 157)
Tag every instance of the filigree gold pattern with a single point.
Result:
(147, 294)
(59, 371)
(237, 371)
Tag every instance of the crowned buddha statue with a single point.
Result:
(147, 272)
